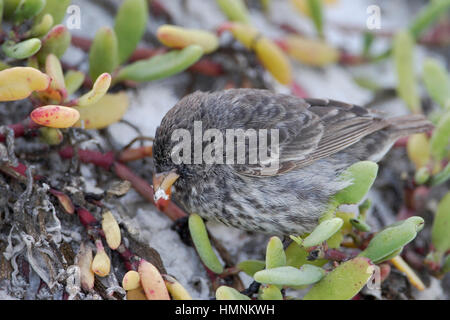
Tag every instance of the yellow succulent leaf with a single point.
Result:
(131, 280)
(19, 82)
(99, 89)
(104, 112)
(345, 216)
(274, 60)
(270, 55)
(136, 294)
(111, 229)
(178, 37)
(311, 52)
(57, 90)
(244, 33)
(176, 290)
(53, 68)
(418, 149)
(101, 265)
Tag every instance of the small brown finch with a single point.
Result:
(310, 142)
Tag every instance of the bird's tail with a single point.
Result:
(406, 125)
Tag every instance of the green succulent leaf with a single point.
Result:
(428, 15)
(56, 41)
(392, 255)
(56, 8)
(103, 55)
(275, 256)
(440, 235)
(368, 39)
(202, 244)
(51, 136)
(22, 50)
(335, 240)
(298, 240)
(228, 293)
(250, 267)
(403, 49)
(270, 292)
(363, 175)
(161, 66)
(74, 80)
(2, 6)
(441, 136)
(235, 10)
(43, 27)
(344, 282)
(297, 256)
(446, 265)
(437, 82)
(422, 175)
(323, 232)
(130, 24)
(367, 83)
(315, 8)
(28, 9)
(360, 225)
(392, 239)
(442, 176)
(9, 7)
(290, 276)
(4, 66)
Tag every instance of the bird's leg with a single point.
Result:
(286, 242)
(252, 289)
(181, 227)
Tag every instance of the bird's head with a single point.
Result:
(169, 172)
(162, 187)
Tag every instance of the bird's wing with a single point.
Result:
(309, 129)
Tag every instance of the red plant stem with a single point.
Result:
(401, 143)
(21, 129)
(89, 221)
(157, 8)
(207, 67)
(132, 154)
(18, 172)
(145, 53)
(385, 270)
(107, 161)
(104, 160)
(346, 58)
(334, 255)
(81, 43)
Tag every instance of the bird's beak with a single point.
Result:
(162, 186)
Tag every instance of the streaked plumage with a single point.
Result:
(318, 140)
